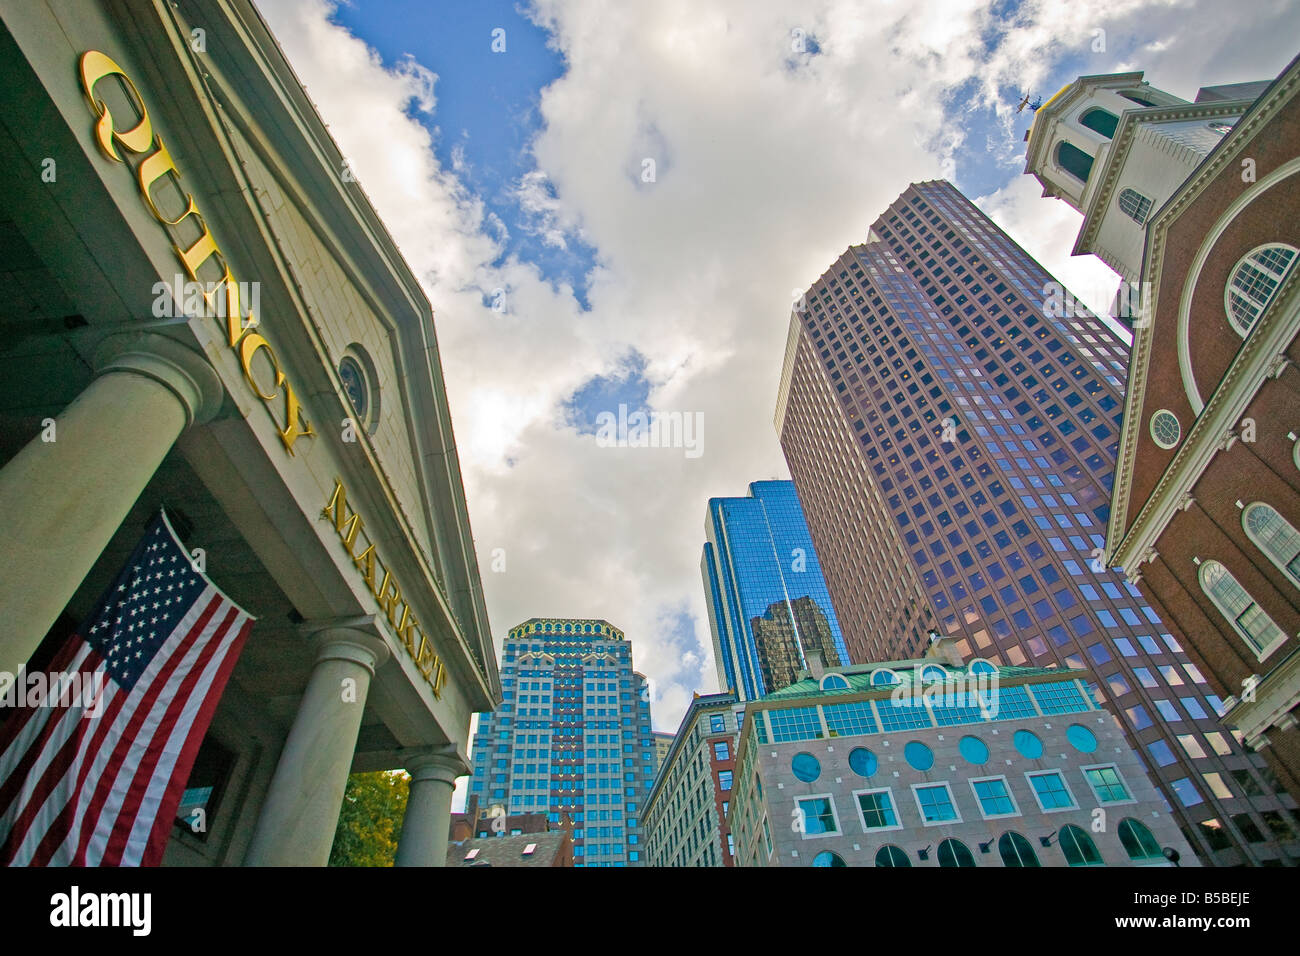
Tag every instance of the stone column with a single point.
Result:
(64, 499)
(428, 808)
(301, 810)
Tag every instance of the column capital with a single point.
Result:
(184, 372)
(355, 639)
(436, 763)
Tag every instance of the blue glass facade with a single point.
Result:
(572, 734)
(767, 600)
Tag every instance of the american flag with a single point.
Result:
(97, 780)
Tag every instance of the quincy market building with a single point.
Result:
(306, 449)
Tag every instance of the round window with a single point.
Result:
(919, 755)
(1030, 747)
(974, 750)
(1165, 430)
(1081, 738)
(863, 762)
(883, 677)
(354, 386)
(834, 682)
(806, 767)
(827, 858)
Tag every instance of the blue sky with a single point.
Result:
(487, 92)
(779, 130)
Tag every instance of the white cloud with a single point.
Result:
(768, 165)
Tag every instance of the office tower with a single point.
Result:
(934, 401)
(768, 604)
(685, 816)
(663, 744)
(572, 735)
(897, 765)
(1205, 515)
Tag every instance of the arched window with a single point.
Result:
(1074, 161)
(827, 858)
(883, 677)
(1016, 850)
(1078, 847)
(834, 682)
(1254, 281)
(1247, 617)
(1134, 205)
(955, 853)
(1100, 121)
(890, 855)
(1138, 842)
(1275, 536)
(1136, 98)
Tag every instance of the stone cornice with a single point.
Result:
(1137, 538)
(1276, 694)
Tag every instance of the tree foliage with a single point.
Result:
(370, 821)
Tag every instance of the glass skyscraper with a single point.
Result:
(953, 434)
(572, 735)
(768, 603)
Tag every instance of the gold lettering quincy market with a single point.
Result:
(348, 525)
(155, 168)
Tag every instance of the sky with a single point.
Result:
(614, 204)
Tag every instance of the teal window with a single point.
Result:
(896, 715)
(883, 677)
(1010, 703)
(1059, 697)
(918, 755)
(818, 816)
(1106, 784)
(827, 858)
(994, 797)
(936, 803)
(834, 682)
(1074, 161)
(1028, 744)
(1100, 121)
(795, 723)
(890, 855)
(805, 767)
(850, 720)
(1078, 847)
(955, 853)
(863, 762)
(974, 750)
(1138, 841)
(877, 810)
(1051, 791)
(1081, 738)
(1015, 850)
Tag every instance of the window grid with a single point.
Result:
(1062, 697)
(849, 720)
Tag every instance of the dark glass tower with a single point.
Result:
(768, 603)
(572, 734)
(952, 432)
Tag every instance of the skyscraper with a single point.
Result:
(952, 430)
(572, 734)
(768, 604)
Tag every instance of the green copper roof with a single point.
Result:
(859, 677)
